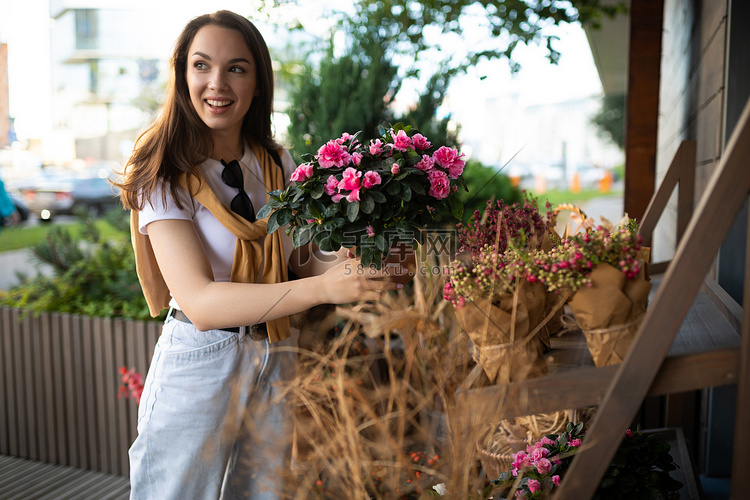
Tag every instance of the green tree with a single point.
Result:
(345, 94)
(610, 119)
(509, 23)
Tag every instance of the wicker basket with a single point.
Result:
(494, 462)
(496, 455)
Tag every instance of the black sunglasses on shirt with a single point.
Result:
(232, 177)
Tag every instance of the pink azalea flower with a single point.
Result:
(353, 196)
(302, 173)
(628, 432)
(333, 154)
(376, 147)
(449, 159)
(344, 137)
(351, 179)
(401, 141)
(543, 465)
(426, 163)
(356, 158)
(420, 142)
(395, 168)
(575, 443)
(533, 485)
(331, 185)
(370, 231)
(556, 480)
(538, 454)
(336, 198)
(439, 184)
(371, 179)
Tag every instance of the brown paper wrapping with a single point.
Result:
(610, 312)
(508, 350)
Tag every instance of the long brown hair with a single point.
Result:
(178, 140)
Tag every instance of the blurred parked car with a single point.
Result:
(57, 192)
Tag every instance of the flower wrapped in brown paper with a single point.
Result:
(505, 333)
(610, 312)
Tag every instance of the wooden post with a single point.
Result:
(642, 107)
(741, 455)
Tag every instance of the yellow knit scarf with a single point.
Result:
(247, 251)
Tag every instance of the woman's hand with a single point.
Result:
(349, 281)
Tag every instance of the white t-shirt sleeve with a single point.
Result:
(154, 209)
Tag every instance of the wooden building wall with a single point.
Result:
(691, 100)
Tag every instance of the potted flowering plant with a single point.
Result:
(603, 272)
(501, 306)
(640, 468)
(372, 196)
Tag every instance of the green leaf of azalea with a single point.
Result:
(381, 243)
(332, 210)
(317, 191)
(405, 192)
(273, 223)
(352, 211)
(325, 241)
(283, 216)
(264, 211)
(302, 235)
(393, 188)
(367, 204)
(378, 197)
(415, 185)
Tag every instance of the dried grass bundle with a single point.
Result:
(378, 405)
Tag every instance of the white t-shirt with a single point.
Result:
(218, 242)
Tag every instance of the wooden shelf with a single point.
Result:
(705, 353)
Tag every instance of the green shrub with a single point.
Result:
(91, 274)
(485, 183)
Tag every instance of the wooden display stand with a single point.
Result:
(693, 336)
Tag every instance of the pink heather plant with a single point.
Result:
(568, 266)
(500, 243)
(369, 195)
(506, 247)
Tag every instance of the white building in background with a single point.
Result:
(109, 67)
(545, 143)
(98, 72)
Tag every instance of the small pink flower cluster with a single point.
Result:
(506, 249)
(132, 384)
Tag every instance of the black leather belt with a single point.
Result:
(256, 332)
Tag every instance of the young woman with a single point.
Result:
(208, 422)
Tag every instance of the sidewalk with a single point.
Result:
(18, 260)
(610, 207)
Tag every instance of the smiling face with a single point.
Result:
(221, 79)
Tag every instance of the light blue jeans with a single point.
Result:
(210, 422)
